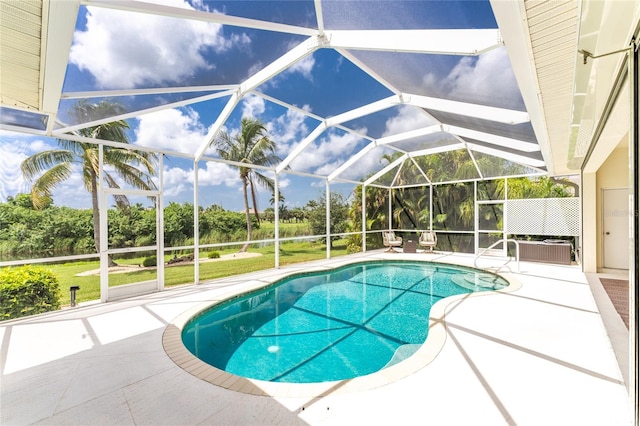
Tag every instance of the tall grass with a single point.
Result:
(266, 231)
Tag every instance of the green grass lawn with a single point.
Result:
(297, 228)
(290, 252)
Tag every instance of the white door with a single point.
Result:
(615, 228)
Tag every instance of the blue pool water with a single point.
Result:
(332, 325)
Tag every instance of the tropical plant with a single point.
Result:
(150, 261)
(48, 169)
(250, 146)
(54, 230)
(272, 200)
(27, 290)
(298, 213)
(540, 187)
(339, 220)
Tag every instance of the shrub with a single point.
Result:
(150, 261)
(28, 290)
(214, 255)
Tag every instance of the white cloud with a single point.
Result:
(487, 79)
(327, 168)
(72, 192)
(178, 181)
(288, 128)
(431, 82)
(38, 145)
(303, 67)
(283, 183)
(318, 184)
(408, 118)
(118, 54)
(12, 154)
(14, 149)
(252, 106)
(257, 66)
(173, 129)
(365, 166)
(327, 153)
(217, 174)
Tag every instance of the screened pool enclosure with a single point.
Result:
(405, 107)
(481, 121)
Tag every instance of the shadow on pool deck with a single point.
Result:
(537, 356)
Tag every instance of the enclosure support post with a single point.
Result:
(431, 207)
(196, 226)
(505, 225)
(476, 221)
(104, 232)
(160, 225)
(364, 219)
(390, 209)
(276, 213)
(328, 216)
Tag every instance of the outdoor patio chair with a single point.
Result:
(390, 240)
(428, 239)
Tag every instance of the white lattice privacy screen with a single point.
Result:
(543, 216)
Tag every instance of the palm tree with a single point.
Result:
(272, 200)
(48, 169)
(250, 146)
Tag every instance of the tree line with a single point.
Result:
(27, 231)
(53, 230)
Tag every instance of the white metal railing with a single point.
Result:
(57, 259)
(165, 249)
(508, 240)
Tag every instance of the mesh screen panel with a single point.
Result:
(543, 216)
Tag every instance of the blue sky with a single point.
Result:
(110, 51)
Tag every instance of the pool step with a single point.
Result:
(402, 353)
(475, 279)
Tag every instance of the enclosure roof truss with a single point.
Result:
(449, 124)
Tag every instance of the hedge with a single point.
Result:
(27, 290)
(150, 261)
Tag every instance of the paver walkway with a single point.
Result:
(618, 291)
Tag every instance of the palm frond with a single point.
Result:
(134, 177)
(41, 161)
(116, 156)
(121, 200)
(43, 186)
(264, 181)
(75, 147)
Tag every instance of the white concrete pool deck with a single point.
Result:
(537, 356)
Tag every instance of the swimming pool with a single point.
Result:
(332, 325)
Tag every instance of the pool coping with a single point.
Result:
(182, 357)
